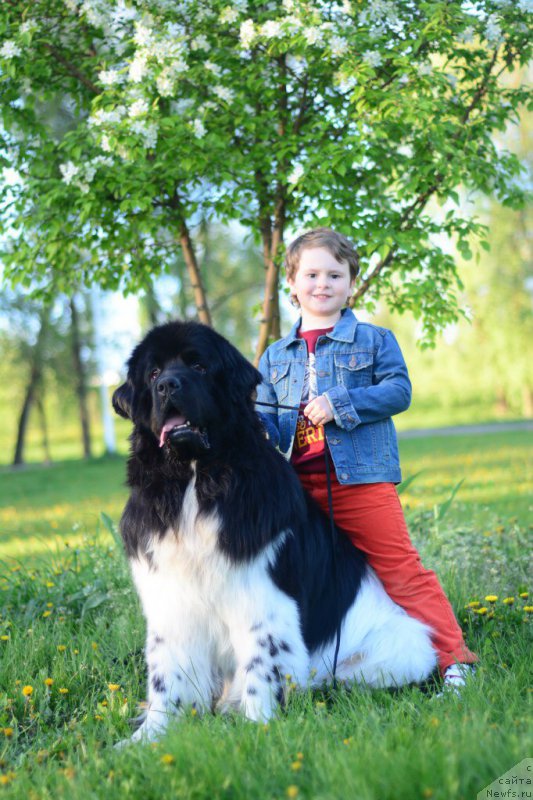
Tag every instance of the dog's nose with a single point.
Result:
(168, 384)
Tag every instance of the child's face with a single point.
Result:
(321, 283)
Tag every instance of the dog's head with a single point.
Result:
(188, 386)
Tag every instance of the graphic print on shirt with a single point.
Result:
(309, 439)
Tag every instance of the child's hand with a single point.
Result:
(318, 411)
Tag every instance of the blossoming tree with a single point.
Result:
(280, 114)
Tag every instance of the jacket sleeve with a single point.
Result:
(389, 393)
(266, 394)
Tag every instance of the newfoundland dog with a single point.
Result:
(241, 583)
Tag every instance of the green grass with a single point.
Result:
(69, 613)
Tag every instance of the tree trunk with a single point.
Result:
(200, 299)
(272, 236)
(151, 309)
(44, 428)
(502, 406)
(29, 398)
(527, 401)
(81, 379)
(36, 373)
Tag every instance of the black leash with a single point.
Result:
(332, 534)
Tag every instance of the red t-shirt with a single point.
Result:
(309, 442)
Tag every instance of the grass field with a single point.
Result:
(72, 671)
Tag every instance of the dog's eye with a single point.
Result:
(154, 373)
(199, 368)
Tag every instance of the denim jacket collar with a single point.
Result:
(344, 330)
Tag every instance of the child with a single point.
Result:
(348, 378)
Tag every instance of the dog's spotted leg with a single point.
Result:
(269, 658)
(178, 683)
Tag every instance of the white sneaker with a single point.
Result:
(455, 677)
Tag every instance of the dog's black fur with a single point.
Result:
(187, 369)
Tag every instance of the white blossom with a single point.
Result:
(164, 83)
(214, 68)
(201, 43)
(296, 174)
(347, 7)
(10, 49)
(199, 128)
(68, 171)
(72, 5)
(247, 33)
(28, 26)
(110, 77)
(105, 144)
(467, 35)
(338, 45)
(271, 29)
(103, 117)
(137, 69)
(493, 30)
(143, 34)
(11, 176)
(313, 35)
(373, 58)
(138, 108)
(89, 172)
(93, 13)
(289, 5)
(147, 130)
(424, 69)
(229, 14)
(223, 93)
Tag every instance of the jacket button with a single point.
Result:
(344, 476)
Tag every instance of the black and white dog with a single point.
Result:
(233, 562)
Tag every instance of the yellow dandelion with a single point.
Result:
(48, 681)
(113, 687)
(62, 690)
(320, 704)
(524, 595)
(6, 778)
(347, 741)
(75, 651)
(61, 648)
(8, 732)
(167, 759)
(292, 791)
(194, 712)
(491, 598)
(481, 610)
(27, 691)
(4, 638)
(69, 773)
(474, 604)
(94, 645)
(98, 716)
(46, 613)
(300, 756)
(49, 605)
(508, 601)
(529, 609)
(103, 703)
(434, 722)
(49, 584)
(296, 765)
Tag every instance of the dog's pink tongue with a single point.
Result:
(167, 427)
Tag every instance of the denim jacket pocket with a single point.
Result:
(279, 378)
(354, 369)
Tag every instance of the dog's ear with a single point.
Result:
(243, 376)
(123, 400)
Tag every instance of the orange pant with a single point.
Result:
(372, 517)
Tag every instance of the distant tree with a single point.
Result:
(280, 115)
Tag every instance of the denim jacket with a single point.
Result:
(361, 370)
